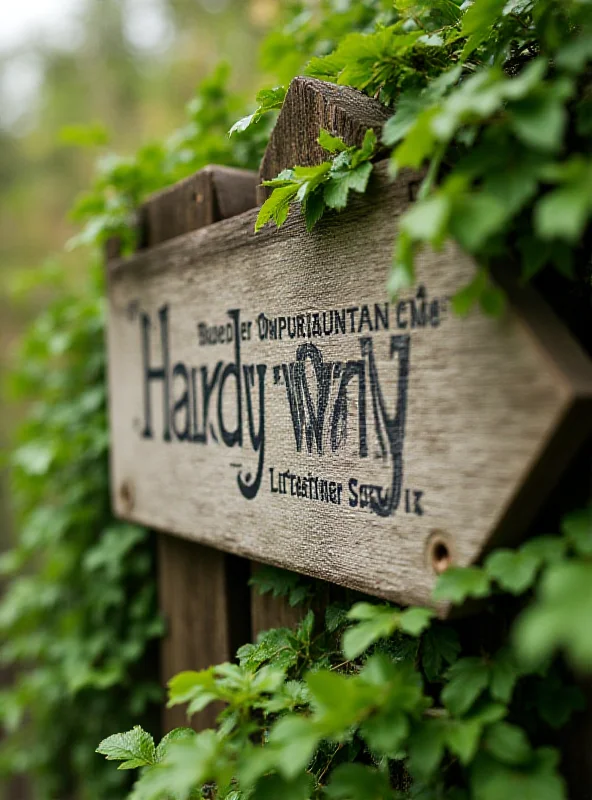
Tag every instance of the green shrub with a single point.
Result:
(493, 99)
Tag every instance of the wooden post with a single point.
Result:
(203, 593)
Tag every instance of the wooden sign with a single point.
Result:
(269, 399)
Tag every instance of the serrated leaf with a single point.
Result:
(277, 206)
(559, 619)
(134, 748)
(358, 782)
(462, 738)
(380, 623)
(508, 743)
(176, 735)
(385, 733)
(272, 787)
(459, 583)
(467, 679)
(514, 570)
(414, 621)
(440, 646)
(426, 748)
(504, 674)
(426, 220)
(295, 739)
(333, 144)
(491, 780)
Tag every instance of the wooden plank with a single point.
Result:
(203, 593)
(269, 612)
(212, 194)
(204, 596)
(448, 416)
(309, 106)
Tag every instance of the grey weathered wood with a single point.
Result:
(203, 593)
(212, 194)
(488, 400)
(309, 106)
(204, 596)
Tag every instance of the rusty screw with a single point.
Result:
(127, 495)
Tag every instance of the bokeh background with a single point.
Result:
(124, 67)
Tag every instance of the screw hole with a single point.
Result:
(440, 555)
(126, 493)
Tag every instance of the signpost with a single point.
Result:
(269, 399)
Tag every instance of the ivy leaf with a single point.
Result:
(467, 679)
(458, 583)
(134, 748)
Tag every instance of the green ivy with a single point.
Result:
(492, 99)
(79, 618)
(380, 702)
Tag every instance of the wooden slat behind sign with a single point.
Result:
(203, 593)
(268, 399)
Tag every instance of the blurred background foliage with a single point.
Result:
(123, 69)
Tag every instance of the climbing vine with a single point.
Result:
(493, 101)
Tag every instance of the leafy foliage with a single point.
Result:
(326, 186)
(493, 100)
(79, 613)
(399, 712)
(79, 616)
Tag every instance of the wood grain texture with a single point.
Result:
(204, 596)
(212, 194)
(309, 106)
(203, 593)
(269, 612)
(485, 400)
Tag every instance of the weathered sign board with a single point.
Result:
(269, 399)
